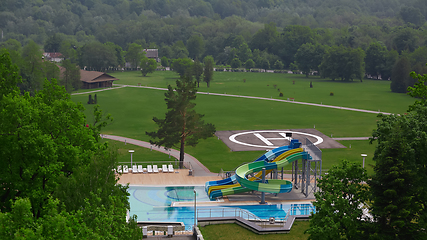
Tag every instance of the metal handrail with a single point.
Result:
(305, 208)
(227, 212)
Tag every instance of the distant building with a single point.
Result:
(152, 53)
(149, 53)
(53, 56)
(94, 79)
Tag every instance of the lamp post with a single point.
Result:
(195, 210)
(131, 152)
(363, 155)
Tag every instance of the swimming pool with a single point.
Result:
(154, 204)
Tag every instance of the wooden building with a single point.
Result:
(94, 79)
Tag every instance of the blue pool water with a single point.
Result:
(153, 204)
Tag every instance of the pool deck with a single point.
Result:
(180, 177)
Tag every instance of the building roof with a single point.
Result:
(91, 76)
(53, 55)
(151, 53)
(95, 76)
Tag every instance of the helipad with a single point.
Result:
(255, 140)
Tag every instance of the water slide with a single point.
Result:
(274, 159)
(268, 156)
(256, 177)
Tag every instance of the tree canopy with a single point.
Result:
(391, 203)
(56, 176)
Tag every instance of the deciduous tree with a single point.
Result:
(344, 63)
(148, 66)
(339, 204)
(398, 185)
(134, 54)
(375, 59)
(97, 56)
(208, 71)
(400, 75)
(70, 78)
(31, 68)
(195, 46)
(182, 66)
(197, 71)
(236, 63)
(249, 64)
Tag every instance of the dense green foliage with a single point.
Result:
(396, 196)
(103, 34)
(339, 206)
(56, 177)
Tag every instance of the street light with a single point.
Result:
(131, 152)
(363, 155)
(195, 210)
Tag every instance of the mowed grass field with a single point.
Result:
(370, 94)
(134, 108)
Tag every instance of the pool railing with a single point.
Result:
(294, 210)
(226, 212)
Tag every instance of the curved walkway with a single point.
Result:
(198, 168)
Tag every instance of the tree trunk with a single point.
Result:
(181, 153)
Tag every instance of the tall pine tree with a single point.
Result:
(181, 126)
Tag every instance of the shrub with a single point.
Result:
(331, 94)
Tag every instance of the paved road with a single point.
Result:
(198, 168)
(351, 138)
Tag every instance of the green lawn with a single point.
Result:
(141, 154)
(236, 232)
(134, 108)
(369, 94)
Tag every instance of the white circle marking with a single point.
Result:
(233, 138)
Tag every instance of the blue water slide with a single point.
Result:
(268, 156)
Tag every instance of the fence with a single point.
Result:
(226, 212)
(294, 210)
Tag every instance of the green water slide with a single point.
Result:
(271, 185)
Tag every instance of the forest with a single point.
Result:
(371, 36)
